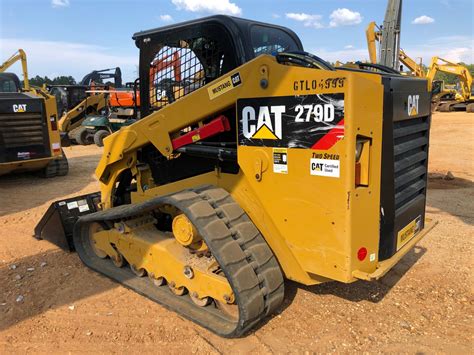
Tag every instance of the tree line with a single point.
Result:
(69, 80)
(59, 80)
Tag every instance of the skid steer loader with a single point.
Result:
(29, 135)
(266, 163)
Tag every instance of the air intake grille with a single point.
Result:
(411, 157)
(21, 130)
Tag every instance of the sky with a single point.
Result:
(74, 37)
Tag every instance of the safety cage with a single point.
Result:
(176, 60)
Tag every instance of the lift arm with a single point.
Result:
(19, 55)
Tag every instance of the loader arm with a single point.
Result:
(157, 128)
(19, 55)
(74, 117)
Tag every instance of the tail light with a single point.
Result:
(54, 122)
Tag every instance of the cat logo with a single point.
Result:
(317, 167)
(19, 108)
(264, 125)
(413, 105)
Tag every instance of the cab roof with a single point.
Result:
(238, 27)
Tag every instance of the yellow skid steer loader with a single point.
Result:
(265, 163)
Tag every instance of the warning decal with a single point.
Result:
(280, 160)
(310, 121)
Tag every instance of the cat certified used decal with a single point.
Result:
(310, 121)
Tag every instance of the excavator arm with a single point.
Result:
(373, 37)
(413, 66)
(19, 55)
(445, 66)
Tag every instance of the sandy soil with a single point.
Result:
(425, 304)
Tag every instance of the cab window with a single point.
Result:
(267, 40)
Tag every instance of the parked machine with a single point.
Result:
(29, 135)
(75, 102)
(268, 163)
(388, 37)
(447, 100)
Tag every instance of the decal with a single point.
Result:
(56, 147)
(72, 205)
(19, 107)
(311, 85)
(224, 85)
(311, 121)
(325, 167)
(280, 160)
(83, 206)
(23, 155)
(413, 105)
(408, 232)
(62, 203)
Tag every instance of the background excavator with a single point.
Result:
(75, 102)
(263, 162)
(390, 54)
(460, 99)
(29, 135)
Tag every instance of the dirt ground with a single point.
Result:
(50, 302)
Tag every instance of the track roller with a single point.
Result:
(214, 253)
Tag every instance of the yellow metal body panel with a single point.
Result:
(385, 266)
(314, 224)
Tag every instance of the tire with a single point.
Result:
(81, 136)
(99, 137)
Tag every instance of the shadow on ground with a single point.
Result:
(359, 291)
(22, 191)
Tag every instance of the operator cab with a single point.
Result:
(67, 96)
(9, 82)
(178, 59)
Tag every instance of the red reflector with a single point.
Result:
(362, 253)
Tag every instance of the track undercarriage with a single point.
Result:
(210, 264)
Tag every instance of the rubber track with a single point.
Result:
(239, 248)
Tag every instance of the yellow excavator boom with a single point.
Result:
(18, 55)
(445, 66)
